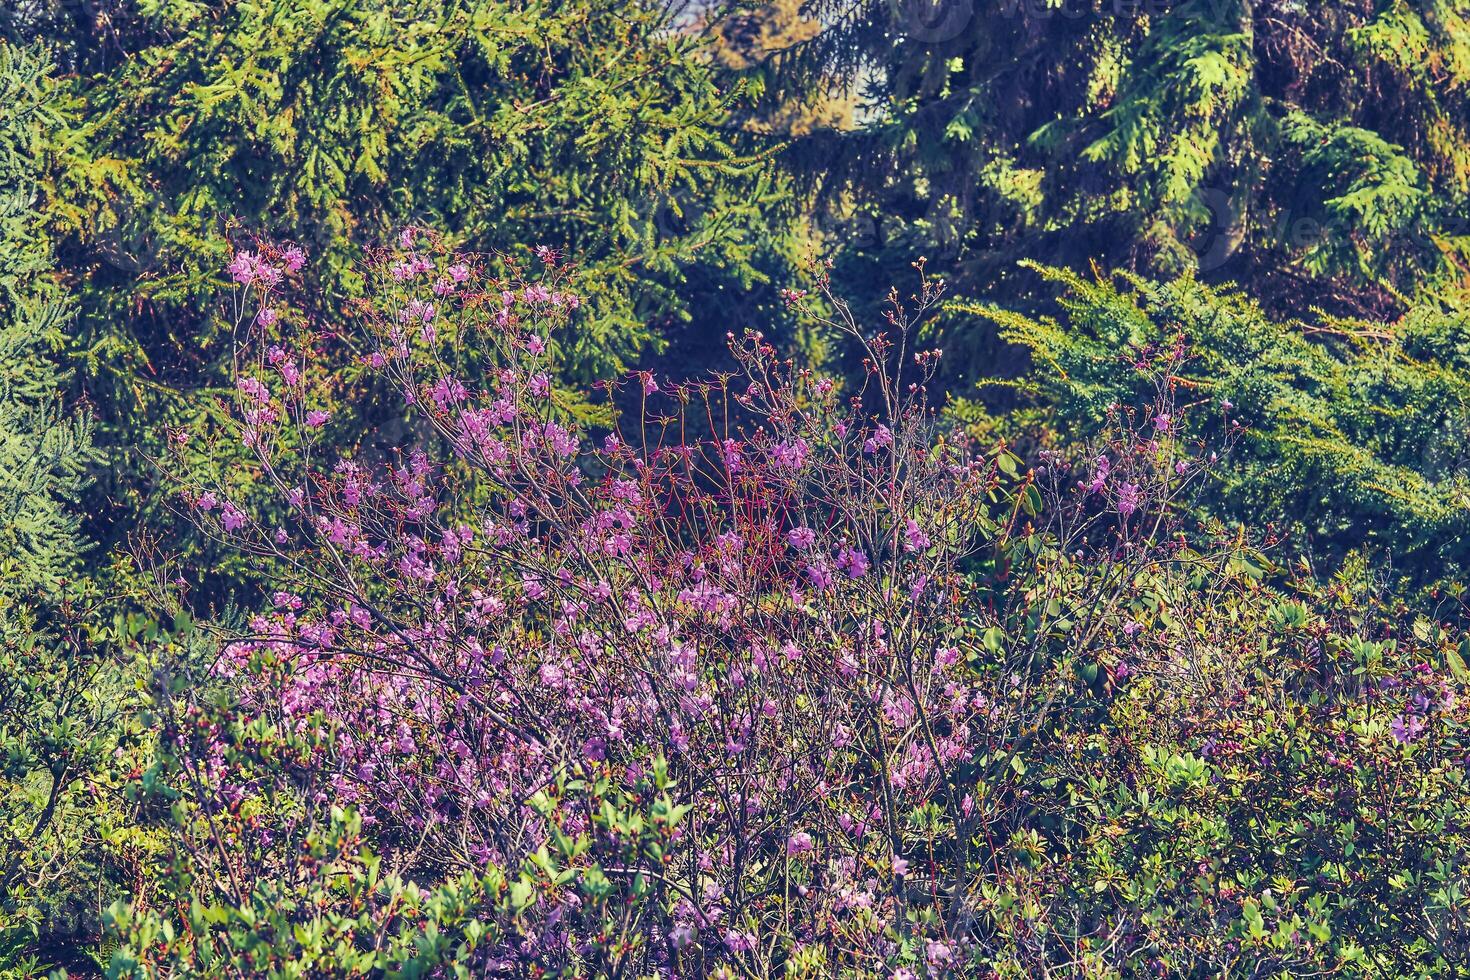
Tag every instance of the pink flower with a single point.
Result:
(900, 866)
(266, 317)
(418, 310)
(448, 391)
(1162, 422)
(819, 575)
(801, 538)
(254, 389)
(231, 519)
(853, 562)
(882, 436)
(914, 539)
(316, 418)
(734, 459)
(790, 455)
(1405, 730)
(245, 268)
(1128, 498)
(293, 259)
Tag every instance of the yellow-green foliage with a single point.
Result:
(1355, 435)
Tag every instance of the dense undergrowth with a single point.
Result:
(835, 690)
(382, 596)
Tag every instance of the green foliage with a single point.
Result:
(585, 127)
(1223, 765)
(1317, 151)
(60, 707)
(1354, 435)
(1246, 800)
(291, 929)
(44, 451)
(43, 456)
(590, 127)
(317, 901)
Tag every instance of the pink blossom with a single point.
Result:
(1128, 499)
(882, 436)
(853, 562)
(231, 518)
(253, 388)
(801, 538)
(819, 575)
(247, 268)
(1405, 730)
(790, 454)
(914, 538)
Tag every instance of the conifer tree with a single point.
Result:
(43, 452)
(1353, 437)
(1318, 151)
(597, 128)
(56, 709)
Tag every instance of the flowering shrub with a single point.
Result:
(825, 691)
